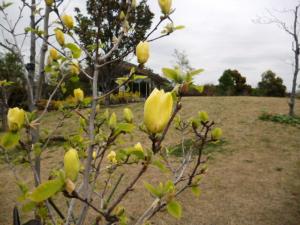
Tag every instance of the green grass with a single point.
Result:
(210, 148)
(281, 118)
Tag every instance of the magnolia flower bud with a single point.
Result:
(112, 157)
(133, 4)
(128, 115)
(203, 116)
(78, 94)
(157, 110)
(94, 155)
(122, 15)
(139, 147)
(216, 133)
(49, 2)
(165, 6)
(60, 37)
(112, 121)
(15, 118)
(142, 52)
(71, 164)
(54, 54)
(69, 186)
(68, 21)
(195, 123)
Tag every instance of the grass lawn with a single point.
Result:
(253, 177)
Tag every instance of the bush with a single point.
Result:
(281, 118)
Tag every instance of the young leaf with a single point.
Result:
(76, 51)
(124, 127)
(170, 73)
(153, 190)
(9, 140)
(160, 165)
(46, 190)
(174, 209)
(196, 191)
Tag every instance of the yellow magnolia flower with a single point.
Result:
(60, 37)
(157, 110)
(112, 157)
(128, 115)
(54, 54)
(165, 6)
(94, 154)
(15, 118)
(49, 2)
(216, 133)
(71, 164)
(78, 94)
(74, 68)
(142, 52)
(68, 21)
(139, 147)
(112, 121)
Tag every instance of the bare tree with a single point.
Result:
(293, 30)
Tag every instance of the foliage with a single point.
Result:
(233, 83)
(271, 85)
(103, 22)
(281, 118)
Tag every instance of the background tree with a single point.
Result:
(226, 83)
(271, 85)
(103, 21)
(10, 73)
(293, 30)
(233, 83)
(182, 61)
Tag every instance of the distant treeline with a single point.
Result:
(232, 83)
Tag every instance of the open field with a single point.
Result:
(254, 178)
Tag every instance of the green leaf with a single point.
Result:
(196, 72)
(153, 190)
(28, 207)
(46, 190)
(198, 88)
(170, 73)
(10, 140)
(76, 51)
(160, 165)
(180, 27)
(196, 191)
(174, 209)
(124, 127)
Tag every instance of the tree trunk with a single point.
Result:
(44, 49)
(296, 70)
(4, 109)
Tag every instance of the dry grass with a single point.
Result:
(256, 181)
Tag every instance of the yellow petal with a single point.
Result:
(60, 37)
(78, 94)
(15, 118)
(71, 164)
(165, 6)
(142, 52)
(68, 21)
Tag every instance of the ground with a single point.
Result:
(253, 179)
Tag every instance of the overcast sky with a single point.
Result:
(220, 34)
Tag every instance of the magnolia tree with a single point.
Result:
(92, 176)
